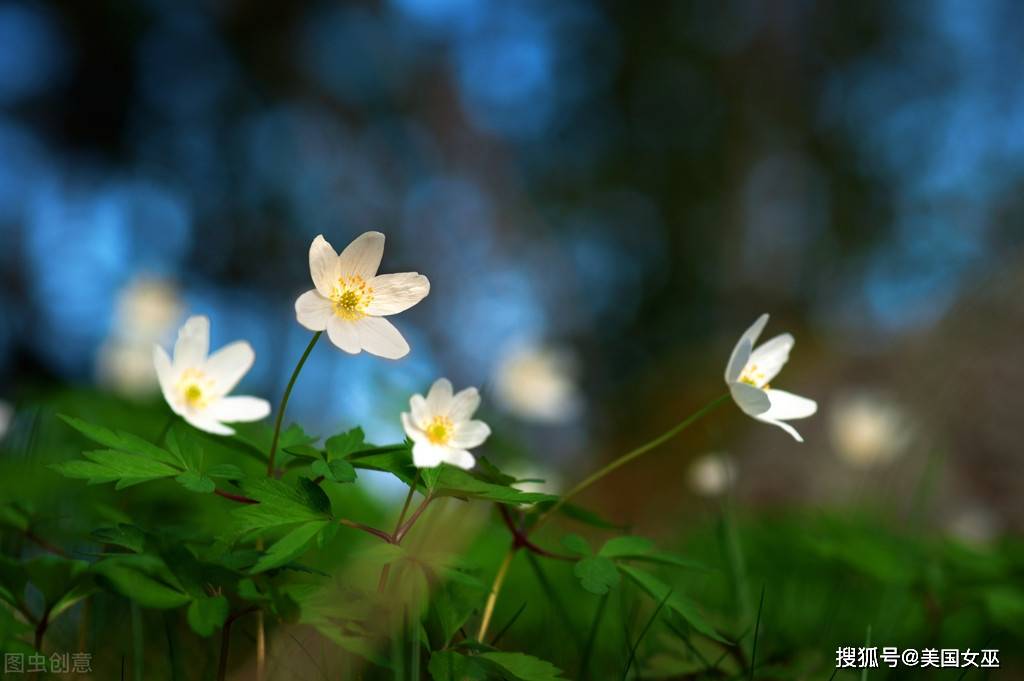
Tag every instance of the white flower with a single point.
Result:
(536, 383)
(712, 474)
(868, 429)
(351, 300)
(196, 384)
(750, 369)
(441, 426)
(147, 312)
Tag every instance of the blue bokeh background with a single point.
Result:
(633, 183)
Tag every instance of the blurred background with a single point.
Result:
(603, 197)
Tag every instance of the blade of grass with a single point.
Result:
(757, 630)
(643, 632)
(508, 625)
(554, 599)
(592, 637)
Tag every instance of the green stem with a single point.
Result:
(284, 401)
(630, 456)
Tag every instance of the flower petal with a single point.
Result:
(751, 400)
(239, 408)
(202, 421)
(469, 434)
(411, 429)
(787, 406)
(165, 376)
(362, 256)
(324, 267)
(782, 424)
(379, 337)
(460, 458)
(313, 311)
(228, 365)
(193, 343)
(393, 293)
(741, 352)
(420, 413)
(771, 356)
(426, 455)
(343, 334)
(464, 404)
(439, 398)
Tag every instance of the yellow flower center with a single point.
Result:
(195, 388)
(753, 376)
(439, 432)
(350, 297)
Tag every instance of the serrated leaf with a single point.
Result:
(597, 574)
(195, 482)
(123, 441)
(577, 513)
(207, 614)
(227, 471)
(107, 465)
(288, 547)
(143, 579)
(488, 472)
(183, 443)
(448, 665)
(396, 459)
(303, 451)
(658, 590)
(280, 503)
(337, 470)
(576, 544)
(343, 444)
(128, 536)
(521, 667)
(643, 549)
(455, 482)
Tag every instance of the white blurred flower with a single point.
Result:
(975, 525)
(146, 312)
(868, 429)
(712, 474)
(196, 384)
(536, 383)
(750, 369)
(6, 416)
(442, 428)
(351, 300)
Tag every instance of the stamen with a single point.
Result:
(439, 431)
(351, 296)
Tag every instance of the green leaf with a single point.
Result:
(597, 574)
(448, 665)
(488, 472)
(13, 579)
(455, 482)
(289, 546)
(340, 446)
(618, 547)
(337, 470)
(576, 544)
(207, 614)
(451, 605)
(108, 465)
(658, 590)
(123, 534)
(183, 443)
(520, 667)
(395, 459)
(227, 471)
(304, 451)
(144, 579)
(577, 513)
(280, 503)
(122, 441)
(195, 482)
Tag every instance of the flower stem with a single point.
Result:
(284, 402)
(492, 597)
(630, 456)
